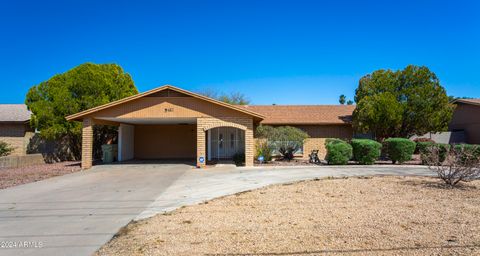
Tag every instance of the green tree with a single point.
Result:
(349, 102)
(234, 98)
(285, 139)
(83, 87)
(342, 99)
(401, 103)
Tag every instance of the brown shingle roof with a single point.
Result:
(14, 113)
(304, 114)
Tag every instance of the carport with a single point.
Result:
(171, 123)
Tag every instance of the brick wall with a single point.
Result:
(206, 123)
(87, 143)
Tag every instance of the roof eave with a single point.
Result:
(80, 115)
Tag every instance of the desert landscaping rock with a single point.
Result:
(10, 177)
(348, 216)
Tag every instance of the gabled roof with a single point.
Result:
(14, 113)
(468, 101)
(304, 114)
(78, 116)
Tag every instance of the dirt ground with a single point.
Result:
(354, 216)
(10, 177)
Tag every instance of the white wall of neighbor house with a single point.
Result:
(126, 139)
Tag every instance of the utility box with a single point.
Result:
(109, 153)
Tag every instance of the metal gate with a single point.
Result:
(224, 142)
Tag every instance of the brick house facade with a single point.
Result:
(171, 123)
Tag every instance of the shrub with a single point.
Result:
(365, 151)
(460, 164)
(338, 152)
(263, 149)
(468, 152)
(399, 149)
(426, 149)
(285, 139)
(239, 159)
(5, 149)
(422, 146)
(333, 140)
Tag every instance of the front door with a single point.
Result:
(224, 142)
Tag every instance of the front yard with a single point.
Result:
(354, 216)
(10, 177)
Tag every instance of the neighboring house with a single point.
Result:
(172, 123)
(15, 127)
(466, 119)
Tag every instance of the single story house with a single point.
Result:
(172, 123)
(15, 127)
(466, 119)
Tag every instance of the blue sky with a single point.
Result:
(283, 52)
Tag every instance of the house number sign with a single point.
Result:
(168, 110)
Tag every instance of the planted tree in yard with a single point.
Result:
(286, 140)
(83, 87)
(458, 164)
(5, 149)
(401, 103)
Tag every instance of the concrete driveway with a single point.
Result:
(76, 214)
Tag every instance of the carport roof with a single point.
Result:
(80, 115)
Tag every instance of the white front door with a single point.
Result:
(224, 142)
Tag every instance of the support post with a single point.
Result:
(249, 144)
(201, 160)
(87, 143)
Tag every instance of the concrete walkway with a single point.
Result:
(76, 214)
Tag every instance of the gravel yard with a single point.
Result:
(354, 216)
(10, 177)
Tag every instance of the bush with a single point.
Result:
(239, 159)
(338, 152)
(426, 149)
(399, 149)
(285, 139)
(265, 150)
(422, 146)
(468, 152)
(460, 164)
(365, 151)
(333, 140)
(5, 149)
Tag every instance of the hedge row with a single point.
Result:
(398, 150)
